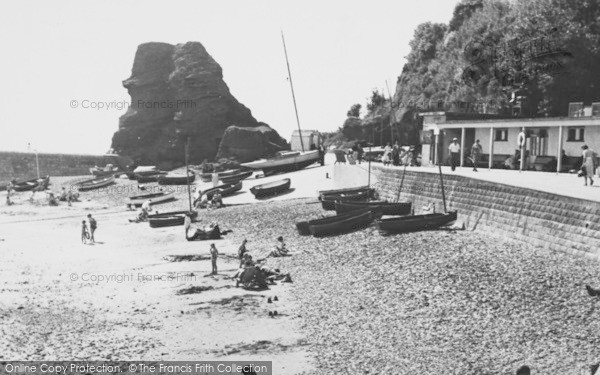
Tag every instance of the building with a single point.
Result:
(310, 138)
(545, 138)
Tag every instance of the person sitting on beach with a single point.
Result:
(84, 232)
(52, 199)
(146, 208)
(63, 194)
(280, 249)
(217, 200)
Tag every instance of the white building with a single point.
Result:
(310, 138)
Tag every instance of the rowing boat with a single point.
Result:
(169, 219)
(271, 188)
(303, 226)
(351, 224)
(328, 201)
(386, 208)
(155, 198)
(95, 183)
(41, 183)
(144, 178)
(285, 161)
(413, 223)
(225, 189)
(235, 178)
(207, 177)
(176, 178)
(352, 190)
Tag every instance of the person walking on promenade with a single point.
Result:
(588, 164)
(322, 154)
(387, 151)
(396, 154)
(454, 149)
(360, 153)
(242, 251)
(214, 253)
(84, 232)
(476, 154)
(93, 226)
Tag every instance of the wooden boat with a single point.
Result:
(95, 183)
(155, 198)
(271, 188)
(145, 178)
(286, 161)
(303, 226)
(176, 178)
(169, 219)
(145, 170)
(41, 183)
(235, 178)
(226, 189)
(328, 201)
(413, 223)
(386, 208)
(106, 171)
(351, 224)
(352, 190)
(207, 177)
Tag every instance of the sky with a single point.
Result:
(61, 56)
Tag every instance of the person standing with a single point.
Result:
(454, 149)
(387, 151)
(322, 154)
(146, 208)
(214, 253)
(84, 232)
(588, 164)
(93, 226)
(9, 187)
(396, 154)
(242, 251)
(360, 153)
(476, 154)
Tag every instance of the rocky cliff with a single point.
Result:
(177, 91)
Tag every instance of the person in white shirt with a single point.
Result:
(454, 149)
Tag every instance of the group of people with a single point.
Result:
(202, 201)
(395, 155)
(88, 235)
(454, 149)
(256, 273)
(64, 195)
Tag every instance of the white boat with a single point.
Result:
(157, 197)
(285, 161)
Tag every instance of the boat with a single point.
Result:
(207, 177)
(235, 178)
(41, 183)
(225, 189)
(414, 223)
(303, 226)
(351, 190)
(271, 188)
(386, 208)
(155, 198)
(285, 161)
(95, 183)
(176, 178)
(351, 224)
(328, 201)
(106, 171)
(144, 178)
(169, 219)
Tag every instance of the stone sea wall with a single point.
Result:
(22, 165)
(551, 221)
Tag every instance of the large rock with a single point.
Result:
(176, 92)
(247, 144)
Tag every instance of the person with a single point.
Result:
(355, 152)
(52, 199)
(588, 166)
(217, 200)
(454, 149)
(242, 251)
(360, 152)
(9, 187)
(280, 249)
(93, 227)
(84, 232)
(63, 194)
(476, 154)
(386, 154)
(146, 208)
(396, 154)
(214, 253)
(322, 154)
(512, 161)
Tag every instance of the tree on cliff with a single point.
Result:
(376, 100)
(354, 110)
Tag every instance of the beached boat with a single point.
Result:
(271, 188)
(211, 232)
(235, 178)
(351, 224)
(95, 183)
(169, 219)
(40, 183)
(207, 177)
(413, 223)
(155, 198)
(285, 161)
(386, 208)
(303, 226)
(352, 190)
(225, 189)
(328, 201)
(106, 171)
(145, 178)
(176, 178)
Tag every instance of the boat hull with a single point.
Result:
(293, 162)
(95, 183)
(348, 225)
(386, 208)
(353, 190)
(144, 178)
(234, 179)
(328, 201)
(303, 226)
(176, 180)
(226, 189)
(31, 184)
(155, 198)
(415, 222)
(270, 189)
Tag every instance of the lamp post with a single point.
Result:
(37, 161)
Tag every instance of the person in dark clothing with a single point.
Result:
(360, 152)
(242, 251)
(396, 154)
(93, 226)
(322, 155)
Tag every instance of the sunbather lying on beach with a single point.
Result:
(280, 250)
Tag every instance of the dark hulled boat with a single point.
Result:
(386, 208)
(352, 190)
(351, 224)
(207, 177)
(225, 189)
(271, 188)
(145, 178)
(169, 219)
(303, 226)
(95, 183)
(40, 183)
(235, 178)
(415, 223)
(155, 198)
(176, 178)
(328, 201)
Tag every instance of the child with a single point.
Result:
(93, 226)
(84, 232)
(213, 257)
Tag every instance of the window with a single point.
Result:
(576, 109)
(501, 135)
(596, 109)
(575, 135)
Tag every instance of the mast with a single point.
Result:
(391, 112)
(292, 87)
